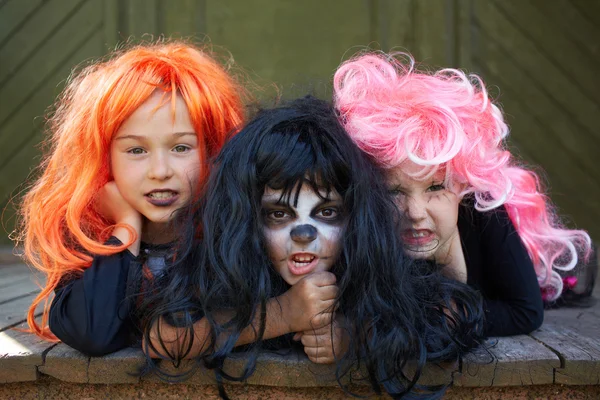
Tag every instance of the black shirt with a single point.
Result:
(500, 267)
(92, 312)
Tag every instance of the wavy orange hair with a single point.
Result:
(60, 229)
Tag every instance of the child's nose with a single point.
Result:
(415, 209)
(160, 168)
(304, 233)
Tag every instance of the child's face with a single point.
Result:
(305, 238)
(154, 158)
(429, 226)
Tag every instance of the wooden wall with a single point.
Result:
(538, 56)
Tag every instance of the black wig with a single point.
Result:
(397, 310)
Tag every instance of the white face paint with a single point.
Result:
(305, 238)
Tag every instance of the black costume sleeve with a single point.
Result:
(505, 274)
(91, 313)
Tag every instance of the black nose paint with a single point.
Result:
(304, 233)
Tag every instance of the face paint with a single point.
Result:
(304, 238)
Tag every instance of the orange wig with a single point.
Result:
(60, 228)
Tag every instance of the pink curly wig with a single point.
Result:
(445, 120)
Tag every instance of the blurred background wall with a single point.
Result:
(540, 58)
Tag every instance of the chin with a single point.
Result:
(418, 254)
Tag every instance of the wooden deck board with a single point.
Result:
(566, 350)
(20, 355)
(15, 311)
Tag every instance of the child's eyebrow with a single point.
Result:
(141, 137)
(271, 199)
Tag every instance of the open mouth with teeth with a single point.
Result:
(417, 237)
(302, 263)
(162, 198)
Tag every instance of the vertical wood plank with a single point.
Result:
(184, 18)
(434, 35)
(112, 31)
(142, 19)
(396, 30)
(466, 41)
(293, 46)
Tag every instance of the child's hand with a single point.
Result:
(111, 205)
(308, 304)
(322, 346)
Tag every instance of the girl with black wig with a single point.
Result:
(294, 169)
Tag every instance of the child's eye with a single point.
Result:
(395, 191)
(277, 215)
(328, 213)
(180, 148)
(436, 188)
(136, 150)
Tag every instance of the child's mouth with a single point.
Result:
(417, 237)
(162, 198)
(302, 263)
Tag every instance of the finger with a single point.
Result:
(320, 320)
(326, 306)
(319, 355)
(320, 331)
(323, 278)
(298, 336)
(327, 292)
(322, 360)
(316, 341)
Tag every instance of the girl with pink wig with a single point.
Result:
(468, 204)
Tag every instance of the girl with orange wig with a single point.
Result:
(130, 141)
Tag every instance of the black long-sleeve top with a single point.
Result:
(500, 267)
(93, 313)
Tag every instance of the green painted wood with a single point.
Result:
(295, 47)
(395, 28)
(142, 18)
(577, 68)
(24, 45)
(434, 33)
(184, 18)
(589, 9)
(110, 18)
(575, 27)
(48, 58)
(466, 43)
(13, 14)
(27, 154)
(544, 73)
(563, 133)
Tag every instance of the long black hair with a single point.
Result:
(397, 310)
